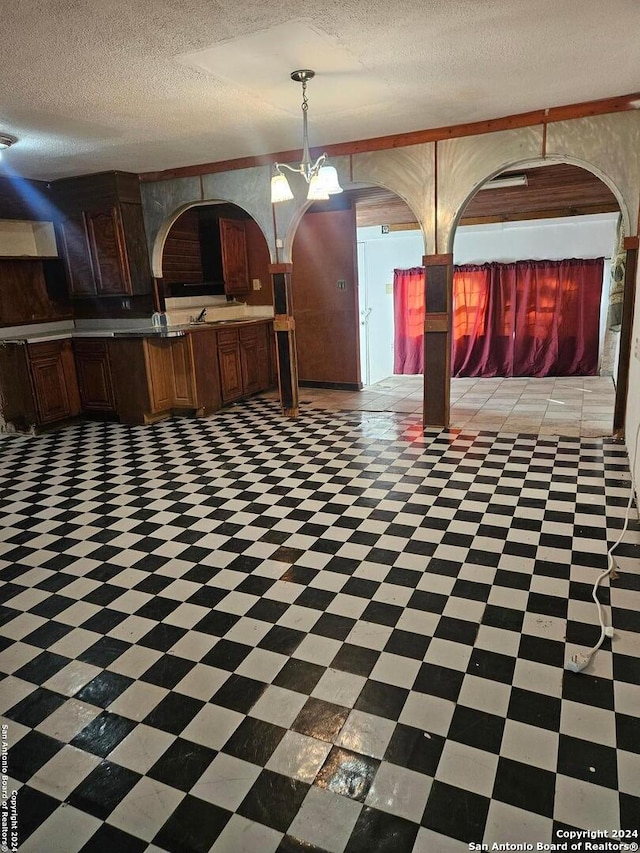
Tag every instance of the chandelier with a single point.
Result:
(322, 180)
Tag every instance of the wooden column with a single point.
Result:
(438, 277)
(284, 328)
(624, 357)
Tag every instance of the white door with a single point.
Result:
(364, 314)
(378, 256)
(375, 290)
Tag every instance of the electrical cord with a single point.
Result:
(580, 661)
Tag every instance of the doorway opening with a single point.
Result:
(214, 254)
(558, 212)
(554, 231)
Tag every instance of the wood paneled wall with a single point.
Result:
(24, 297)
(551, 191)
(32, 290)
(182, 258)
(326, 316)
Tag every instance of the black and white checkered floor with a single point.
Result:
(250, 635)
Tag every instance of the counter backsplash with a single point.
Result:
(181, 310)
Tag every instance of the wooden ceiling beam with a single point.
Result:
(602, 106)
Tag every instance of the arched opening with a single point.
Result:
(344, 253)
(209, 254)
(534, 338)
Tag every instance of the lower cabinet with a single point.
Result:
(93, 369)
(38, 382)
(143, 379)
(159, 373)
(231, 384)
(154, 377)
(244, 357)
(254, 358)
(54, 381)
(139, 379)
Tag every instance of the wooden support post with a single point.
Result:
(284, 328)
(624, 357)
(438, 277)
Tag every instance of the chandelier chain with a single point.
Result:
(322, 181)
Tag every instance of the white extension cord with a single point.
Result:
(578, 661)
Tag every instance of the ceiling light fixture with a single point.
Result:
(322, 180)
(506, 181)
(6, 141)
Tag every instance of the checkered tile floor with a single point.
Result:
(250, 635)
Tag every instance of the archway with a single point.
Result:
(213, 250)
(343, 295)
(562, 210)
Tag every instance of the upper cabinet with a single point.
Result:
(108, 252)
(103, 236)
(233, 246)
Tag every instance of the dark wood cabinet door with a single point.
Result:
(235, 266)
(159, 374)
(230, 365)
(264, 357)
(108, 252)
(136, 252)
(183, 372)
(54, 381)
(77, 256)
(95, 384)
(249, 359)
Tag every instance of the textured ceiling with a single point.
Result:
(90, 85)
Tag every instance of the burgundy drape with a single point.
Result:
(408, 317)
(528, 318)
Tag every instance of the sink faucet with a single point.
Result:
(200, 317)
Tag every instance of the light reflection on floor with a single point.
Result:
(567, 406)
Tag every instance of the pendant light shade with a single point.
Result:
(317, 190)
(280, 189)
(329, 179)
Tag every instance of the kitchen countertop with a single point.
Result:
(119, 332)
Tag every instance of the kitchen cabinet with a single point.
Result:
(54, 380)
(244, 358)
(140, 379)
(39, 385)
(102, 234)
(183, 372)
(93, 370)
(235, 264)
(231, 386)
(159, 371)
(154, 377)
(254, 358)
(75, 244)
(108, 252)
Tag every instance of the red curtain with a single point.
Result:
(408, 314)
(482, 339)
(529, 318)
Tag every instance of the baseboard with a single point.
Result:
(332, 386)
